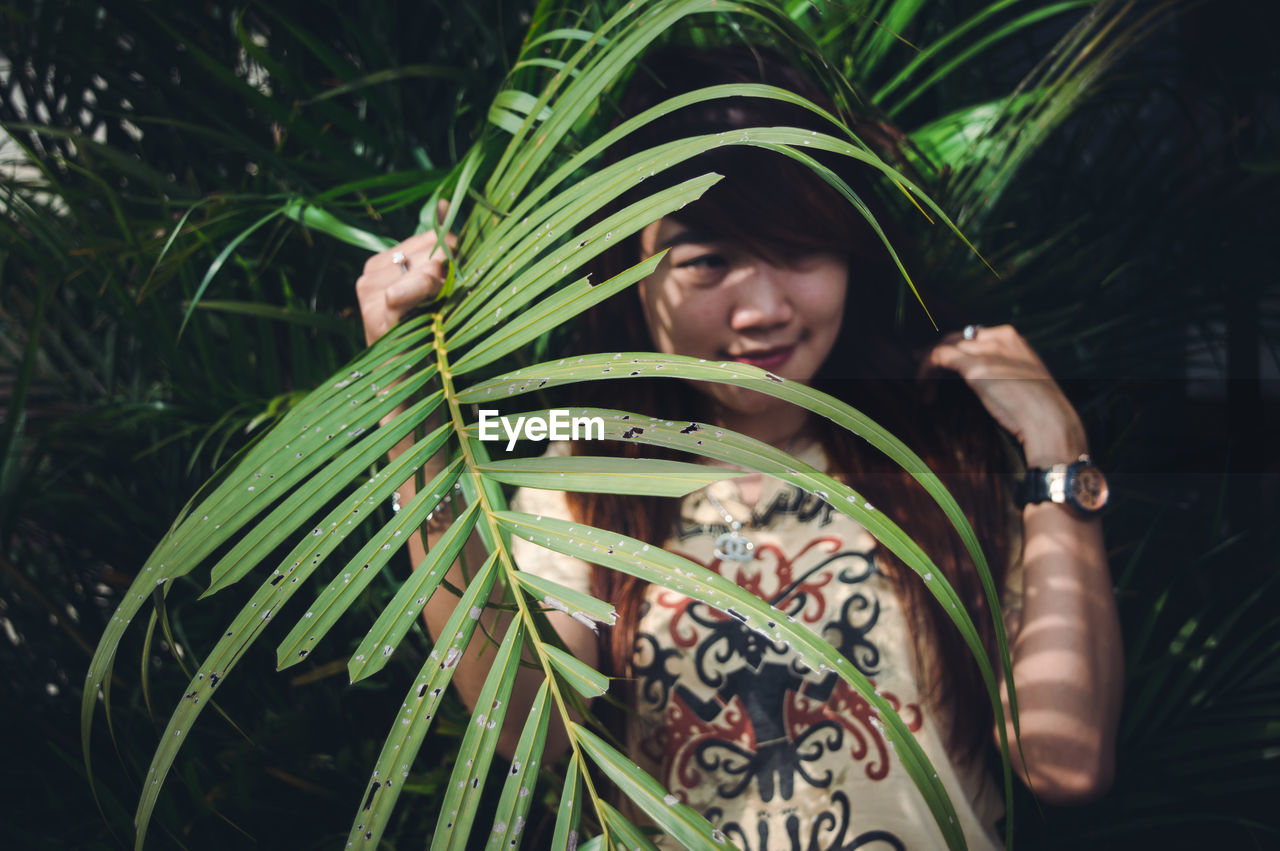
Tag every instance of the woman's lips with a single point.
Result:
(770, 359)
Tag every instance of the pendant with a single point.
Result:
(734, 547)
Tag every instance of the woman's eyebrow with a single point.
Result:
(684, 237)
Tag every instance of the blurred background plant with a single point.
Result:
(1116, 163)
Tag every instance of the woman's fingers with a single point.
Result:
(396, 280)
(419, 247)
(999, 352)
(423, 281)
(1014, 386)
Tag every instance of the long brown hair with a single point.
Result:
(781, 208)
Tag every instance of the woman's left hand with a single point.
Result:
(1016, 389)
(1065, 640)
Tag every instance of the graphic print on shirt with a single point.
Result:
(739, 711)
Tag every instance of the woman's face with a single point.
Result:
(716, 300)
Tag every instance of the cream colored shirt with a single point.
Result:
(774, 754)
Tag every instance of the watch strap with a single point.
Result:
(1055, 485)
(1033, 488)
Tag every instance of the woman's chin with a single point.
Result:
(738, 403)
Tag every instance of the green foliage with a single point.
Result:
(150, 157)
(508, 293)
(162, 132)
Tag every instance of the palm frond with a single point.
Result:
(307, 480)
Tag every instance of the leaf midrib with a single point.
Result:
(473, 465)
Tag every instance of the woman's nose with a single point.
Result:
(761, 298)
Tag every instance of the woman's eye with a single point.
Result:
(702, 270)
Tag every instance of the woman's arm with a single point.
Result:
(1065, 643)
(394, 281)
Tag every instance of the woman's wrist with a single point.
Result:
(1049, 446)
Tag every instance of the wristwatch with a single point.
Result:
(1080, 485)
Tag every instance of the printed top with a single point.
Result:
(778, 756)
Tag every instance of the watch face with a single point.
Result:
(1089, 487)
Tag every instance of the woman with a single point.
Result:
(773, 269)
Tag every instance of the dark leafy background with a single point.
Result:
(1134, 245)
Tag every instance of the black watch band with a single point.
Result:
(1079, 485)
(1034, 487)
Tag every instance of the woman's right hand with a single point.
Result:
(388, 290)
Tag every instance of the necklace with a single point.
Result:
(731, 545)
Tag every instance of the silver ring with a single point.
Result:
(398, 259)
(970, 331)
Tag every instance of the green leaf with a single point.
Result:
(403, 610)
(534, 211)
(586, 680)
(197, 533)
(303, 503)
(522, 103)
(355, 576)
(570, 812)
(595, 474)
(319, 219)
(517, 793)
(417, 712)
(566, 303)
(969, 48)
(389, 75)
(676, 820)
(505, 119)
(306, 318)
(221, 259)
(635, 364)
(568, 256)
(583, 608)
(478, 746)
(628, 835)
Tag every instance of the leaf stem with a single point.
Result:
(472, 465)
